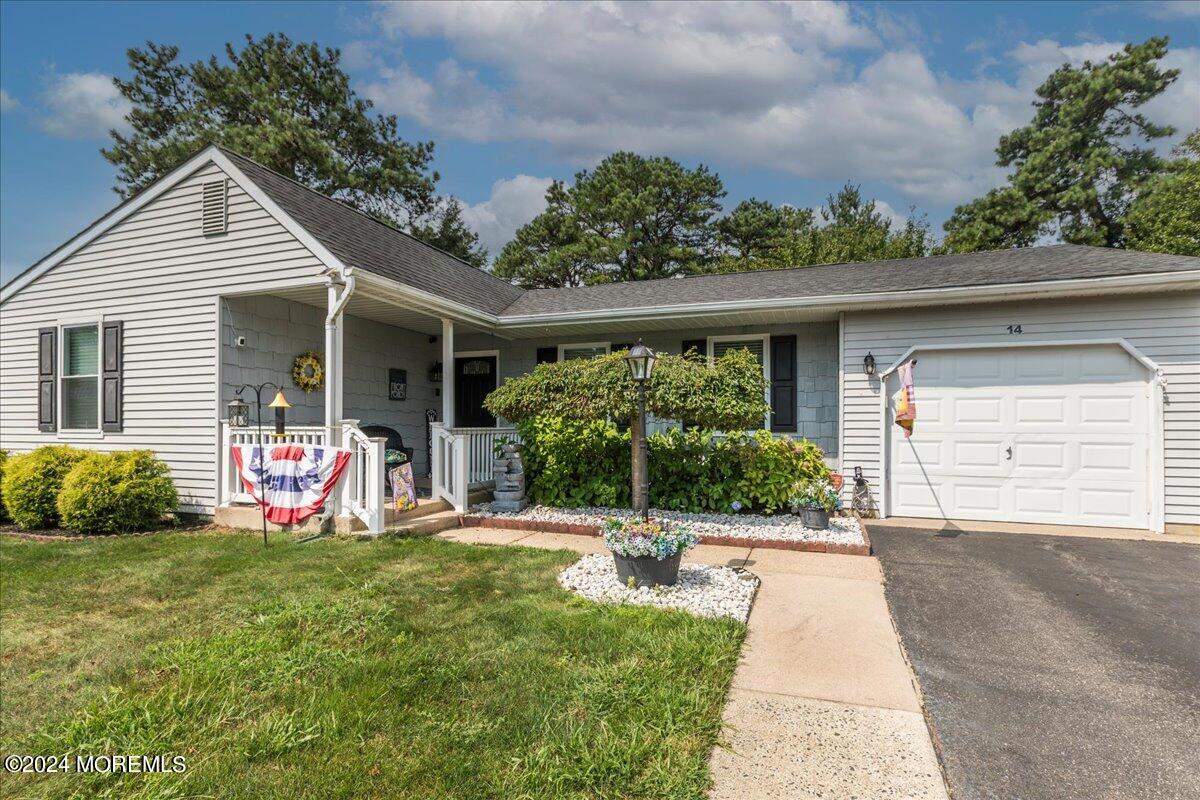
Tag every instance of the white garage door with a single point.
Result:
(1030, 434)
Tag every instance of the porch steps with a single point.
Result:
(426, 525)
(425, 506)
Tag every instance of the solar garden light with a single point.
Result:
(641, 365)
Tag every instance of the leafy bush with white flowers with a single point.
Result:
(633, 538)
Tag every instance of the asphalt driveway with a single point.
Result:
(1053, 667)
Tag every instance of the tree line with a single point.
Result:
(1084, 170)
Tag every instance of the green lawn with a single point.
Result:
(397, 668)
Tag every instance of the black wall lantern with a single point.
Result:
(435, 372)
(869, 364)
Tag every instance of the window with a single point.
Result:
(755, 343)
(566, 352)
(80, 387)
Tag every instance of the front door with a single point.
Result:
(474, 379)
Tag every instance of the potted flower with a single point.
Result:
(814, 501)
(647, 553)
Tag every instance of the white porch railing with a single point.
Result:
(362, 490)
(362, 486)
(462, 458)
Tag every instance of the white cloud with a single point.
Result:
(513, 202)
(8, 102)
(772, 85)
(1171, 9)
(83, 105)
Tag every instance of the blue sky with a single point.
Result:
(786, 102)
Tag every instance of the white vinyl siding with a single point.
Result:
(158, 273)
(1163, 327)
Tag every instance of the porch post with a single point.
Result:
(334, 328)
(448, 373)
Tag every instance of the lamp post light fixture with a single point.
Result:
(869, 364)
(641, 366)
(239, 417)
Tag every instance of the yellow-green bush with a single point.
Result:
(116, 492)
(32, 481)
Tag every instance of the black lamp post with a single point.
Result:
(641, 365)
(239, 417)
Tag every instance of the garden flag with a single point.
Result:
(298, 477)
(906, 400)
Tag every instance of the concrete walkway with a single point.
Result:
(823, 704)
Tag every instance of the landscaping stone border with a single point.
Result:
(579, 529)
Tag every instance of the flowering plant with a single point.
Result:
(631, 537)
(816, 494)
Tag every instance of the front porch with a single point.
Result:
(417, 371)
(382, 387)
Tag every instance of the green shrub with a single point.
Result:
(3, 511)
(726, 395)
(116, 492)
(572, 464)
(32, 481)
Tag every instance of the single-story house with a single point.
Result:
(1053, 384)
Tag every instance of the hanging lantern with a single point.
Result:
(280, 404)
(239, 413)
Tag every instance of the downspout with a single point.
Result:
(347, 284)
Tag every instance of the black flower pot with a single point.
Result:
(648, 570)
(815, 518)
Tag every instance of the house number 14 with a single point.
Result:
(1014, 329)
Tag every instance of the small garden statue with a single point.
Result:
(509, 472)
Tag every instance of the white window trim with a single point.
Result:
(766, 362)
(562, 348)
(61, 431)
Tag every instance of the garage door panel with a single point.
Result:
(975, 410)
(1040, 410)
(1076, 420)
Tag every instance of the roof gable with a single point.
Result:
(366, 243)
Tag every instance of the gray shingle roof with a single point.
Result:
(1026, 265)
(362, 242)
(368, 244)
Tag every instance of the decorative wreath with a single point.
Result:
(308, 372)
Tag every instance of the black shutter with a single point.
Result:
(699, 345)
(616, 348)
(547, 355)
(47, 367)
(783, 384)
(112, 362)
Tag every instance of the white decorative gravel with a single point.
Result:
(783, 527)
(703, 590)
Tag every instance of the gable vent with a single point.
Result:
(214, 218)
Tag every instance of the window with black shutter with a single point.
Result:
(547, 355)
(783, 384)
(695, 348)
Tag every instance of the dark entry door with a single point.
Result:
(474, 379)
